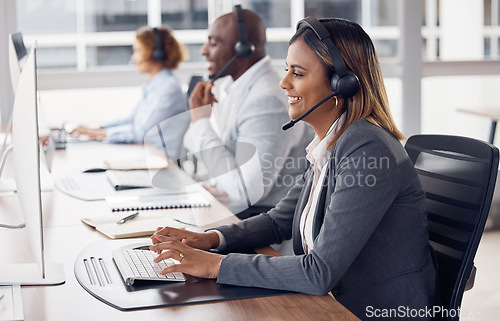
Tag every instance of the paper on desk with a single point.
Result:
(151, 162)
(144, 224)
(127, 164)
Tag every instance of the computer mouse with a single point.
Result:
(94, 170)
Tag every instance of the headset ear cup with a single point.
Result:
(158, 55)
(335, 84)
(346, 86)
(244, 50)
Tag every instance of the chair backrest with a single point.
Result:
(458, 176)
(192, 83)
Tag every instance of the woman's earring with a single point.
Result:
(336, 102)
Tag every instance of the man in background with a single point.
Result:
(236, 120)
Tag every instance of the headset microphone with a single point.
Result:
(293, 121)
(219, 73)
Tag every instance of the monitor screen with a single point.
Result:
(26, 153)
(17, 40)
(17, 58)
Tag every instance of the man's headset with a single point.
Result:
(243, 49)
(344, 82)
(158, 53)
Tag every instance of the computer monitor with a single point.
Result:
(26, 153)
(17, 57)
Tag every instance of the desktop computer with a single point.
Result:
(17, 58)
(26, 153)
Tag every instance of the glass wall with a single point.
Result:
(46, 16)
(185, 15)
(348, 9)
(114, 15)
(83, 34)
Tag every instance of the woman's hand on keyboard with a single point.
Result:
(204, 241)
(193, 261)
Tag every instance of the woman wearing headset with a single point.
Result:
(155, 52)
(357, 216)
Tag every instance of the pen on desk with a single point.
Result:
(128, 218)
(186, 223)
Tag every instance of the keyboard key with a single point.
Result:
(143, 267)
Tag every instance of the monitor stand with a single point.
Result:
(30, 274)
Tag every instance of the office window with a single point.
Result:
(46, 16)
(386, 48)
(487, 12)
(194, 52)
(348, 9)
(100, 33)
(487, 47)
(108, 55)
(56, 57)
(383, 13)
(277, 50)
(492, 28)
(114, 15)
(275, 13)
(184, 15)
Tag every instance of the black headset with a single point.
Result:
(158, 51)
(345, 83)
(243, 48)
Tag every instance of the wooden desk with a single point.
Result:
(66, 237)
(490, 112)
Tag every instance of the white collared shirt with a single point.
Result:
(161, 99)
(231, 91)
(246, 123)
(318, 155)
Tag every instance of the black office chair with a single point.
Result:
(458, 175)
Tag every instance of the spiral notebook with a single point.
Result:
(154, 202)
(122, 180)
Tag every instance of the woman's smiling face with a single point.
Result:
(305, 82)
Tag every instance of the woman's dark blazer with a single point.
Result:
(370, 232)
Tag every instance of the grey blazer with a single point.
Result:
(370, 232)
